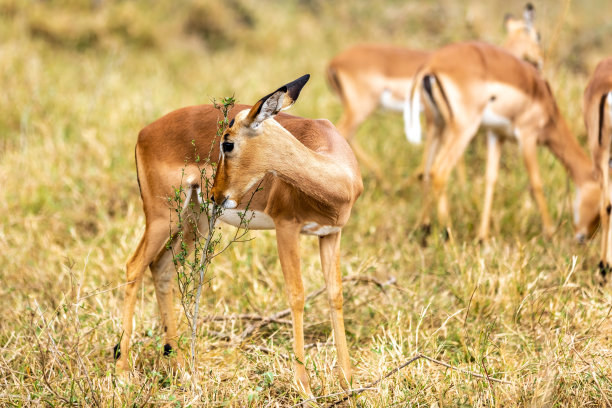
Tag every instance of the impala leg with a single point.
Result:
(163, 273)
(605, 208)
(528, 149)
(493, 156)
(432, 145)
(150, 245)
(329, 247)
(454, 142)
(352, 117)
(287, 238)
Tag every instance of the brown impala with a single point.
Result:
(309, 178)
(366, 76)
(492, 89)
(597, 110)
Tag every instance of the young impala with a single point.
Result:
(597, 109)
(309, 180)
(366, 76)
(473, 85)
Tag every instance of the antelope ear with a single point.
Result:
(529, 15)
(268, 106)
(509, 22)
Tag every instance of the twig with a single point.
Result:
(354, 391)
(251, 328)
(347, 394)
(254, 317)
(266, 350)
(442, 363)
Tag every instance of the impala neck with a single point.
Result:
(566, 148)
(327, 179)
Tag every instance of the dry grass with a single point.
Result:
(519, 308)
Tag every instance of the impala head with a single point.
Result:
(523, 40)
(586, 210)
(245, 146)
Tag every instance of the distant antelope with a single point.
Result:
(494, 90)
(366, 76)
(597, 110)
(309, 180)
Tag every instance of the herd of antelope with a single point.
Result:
(301, 176)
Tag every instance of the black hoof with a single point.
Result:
(603, 269)
(446, 234)
(117, 351)
(425, 232)
(167, 350)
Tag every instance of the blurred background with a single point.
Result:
(80, 78)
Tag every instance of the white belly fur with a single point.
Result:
(312, 228)
(257, 220)
(500, 125)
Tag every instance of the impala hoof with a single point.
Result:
(604, 269)
(117, 351)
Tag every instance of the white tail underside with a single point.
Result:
(412, 122)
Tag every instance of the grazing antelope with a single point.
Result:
(597, 110)
(309, 180)
(366, 76)
(473, 85)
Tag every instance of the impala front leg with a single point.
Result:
(329, 247)
(287, 238)
(528, 149)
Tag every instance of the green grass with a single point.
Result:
(529, 309)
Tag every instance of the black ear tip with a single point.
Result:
(302, 80)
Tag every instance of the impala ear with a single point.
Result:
(529, 15)
(509, 21)
(281, 99)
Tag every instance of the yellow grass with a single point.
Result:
(79, 82)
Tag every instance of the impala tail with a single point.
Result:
(412, 110)
(334, 82)
(607, 97)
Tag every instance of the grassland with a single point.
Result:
(78, 83)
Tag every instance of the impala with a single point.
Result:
(366, 76)
(597, 109)
(309, 180)
(473, 85)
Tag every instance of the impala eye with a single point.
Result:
(227, 147)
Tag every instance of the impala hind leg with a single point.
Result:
(432, 144)
(455, 140)
(353, 115)
(605, 209)
(287, 238)
(151, 244)
(329, 247)
(493, 156)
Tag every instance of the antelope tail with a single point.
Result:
(412, 110)
(602, 105)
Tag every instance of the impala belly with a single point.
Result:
(255, 220)
(312, 228)
(499, 124)
(393, 96)
(505, 102)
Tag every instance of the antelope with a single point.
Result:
(367, 76)
(300, 176)
(472, 85)
(597, 110)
